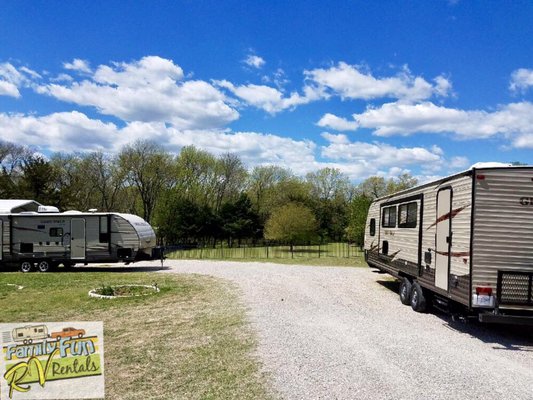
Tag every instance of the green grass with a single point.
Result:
(189, 341)
(340, 254)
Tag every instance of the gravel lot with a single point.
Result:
(342, 333)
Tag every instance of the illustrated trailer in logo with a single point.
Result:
(52, 360)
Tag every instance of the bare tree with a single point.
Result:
(147, 167)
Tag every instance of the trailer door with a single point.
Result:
(443, 238)
(77, 238)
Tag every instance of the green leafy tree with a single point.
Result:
(184, 221)
(358, 210)
(38, 181)
(239, 220)
(292, 223)
(12, 159)
(329, 191)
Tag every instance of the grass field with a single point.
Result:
(341, 254)
(190, 341)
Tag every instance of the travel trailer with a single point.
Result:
(462, 243)
(27, 334)
(40, 237)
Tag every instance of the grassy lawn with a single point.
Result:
(190, 341)
(337, 254)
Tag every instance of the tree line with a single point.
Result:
(195, 197)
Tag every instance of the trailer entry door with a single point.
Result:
(77, 240)
(443, 238)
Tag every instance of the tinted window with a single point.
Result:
(104, 232)
(408, 215)
(56, 232)
(372, 227)
(389, 217)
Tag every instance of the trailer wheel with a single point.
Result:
(43, 266)
(405, 291)
(417, 299)
(26, 266)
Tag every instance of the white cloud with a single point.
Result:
(148, 90)
(352, 82)
(268, 98)
(74, 131)
(78, 65)
(8, 89)
(406, 119)
(335, 138)
(521, 80)
(379, 155)
(62, 78)
(337, 123)
(254, 61)
(459, 162)
(66, 131)
(11, 79)
(524, 141)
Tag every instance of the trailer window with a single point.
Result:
(408, 215)
(104, 232)
(372, 227)
(389, 217)
(56, 232)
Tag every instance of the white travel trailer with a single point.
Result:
(32, 235)
(29, 333)
(463, 243)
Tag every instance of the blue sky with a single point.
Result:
(426, 87)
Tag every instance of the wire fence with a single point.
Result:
(264, 251)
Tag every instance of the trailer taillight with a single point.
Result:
(480, 177)
(484, 290)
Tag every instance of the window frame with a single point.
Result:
(387, 211)
(58, 232)
(411, 209)
(103, 229)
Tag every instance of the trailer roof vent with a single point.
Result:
(93, 210)
(47, 209)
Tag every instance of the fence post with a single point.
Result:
(267, 249)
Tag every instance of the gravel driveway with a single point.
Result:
(342, 333)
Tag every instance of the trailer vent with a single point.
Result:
(515, 288)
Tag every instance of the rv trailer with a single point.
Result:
(462, 243)
(41, 237)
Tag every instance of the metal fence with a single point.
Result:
(264, 251)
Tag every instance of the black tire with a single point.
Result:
(26, 266)
(44, 266)
(405, 291)
(418, 299)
